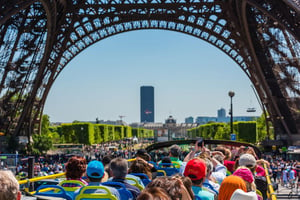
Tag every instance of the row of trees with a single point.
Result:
(82, 133)
(88, 133)
(252, 132)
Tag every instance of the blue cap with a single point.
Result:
(96, 168)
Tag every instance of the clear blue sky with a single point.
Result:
(190, 77)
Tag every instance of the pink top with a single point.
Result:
(260, 171)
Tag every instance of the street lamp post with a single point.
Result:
(231, 94)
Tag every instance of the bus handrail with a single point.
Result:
(271, 194)
(53, 176)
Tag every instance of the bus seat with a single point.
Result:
(144, 177)
(124, 193)
(133, 181)
(70, 190)
(171, 170)
(75, 183)
(84, 195)
(59, 192)
(161, 172)
(176, 164)
(153, 163)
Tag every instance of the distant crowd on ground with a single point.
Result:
(208, 174)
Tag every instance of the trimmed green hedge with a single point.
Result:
(88, 133)
(245, 131)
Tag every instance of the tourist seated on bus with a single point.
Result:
(9, 187)
(247, 176)
(142, 153)
(174, 154)
(106, 160)
(95, 172)
(156, 193)
(187, 183)
(219, 171)
(75, 169)
(210, 182)
(140, 166)
(227, 160)
(172, 185)
(118, 169)
(196, 170)
(239, 194)
(167, 161)
(229, 185)
(249, 161)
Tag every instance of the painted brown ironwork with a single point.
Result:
(38, 38)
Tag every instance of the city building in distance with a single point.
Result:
(223, 118)
(147, 104)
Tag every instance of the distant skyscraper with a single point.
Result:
(189, 120)
(147, 104)
(221, 113)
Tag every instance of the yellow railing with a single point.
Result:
(132, 159)
(32, 180)
(271, 194)
(41, 178)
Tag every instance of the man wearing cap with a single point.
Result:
(260, 180)
(196, 170)
(95, 172)
(249, 161)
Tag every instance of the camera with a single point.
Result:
(200, 142)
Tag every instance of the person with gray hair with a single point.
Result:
(174, 153)
(208, 183)
(9, 187)
(118, 170)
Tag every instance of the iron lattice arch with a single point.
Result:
(38, 38)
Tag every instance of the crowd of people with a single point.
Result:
(286, 173)
(207, 174)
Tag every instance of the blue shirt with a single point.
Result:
(204, 195)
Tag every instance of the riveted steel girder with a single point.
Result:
(38, 38)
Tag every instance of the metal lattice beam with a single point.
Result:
(38, 38)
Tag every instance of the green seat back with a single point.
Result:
(107, 195)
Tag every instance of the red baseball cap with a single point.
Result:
(195, 169)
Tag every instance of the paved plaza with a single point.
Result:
(287, 193)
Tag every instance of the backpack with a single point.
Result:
(261, 185)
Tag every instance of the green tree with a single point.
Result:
(41, 143)
(45, 124)
(262, 128)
